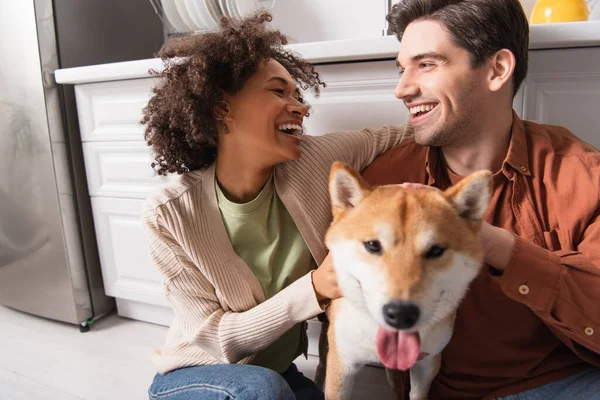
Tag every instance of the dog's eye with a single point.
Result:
(435, 251)
(373, 246)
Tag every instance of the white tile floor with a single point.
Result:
(47, 360)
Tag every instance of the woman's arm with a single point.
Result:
(227, 336)
(357, 148)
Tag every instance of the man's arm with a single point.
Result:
(561, 287)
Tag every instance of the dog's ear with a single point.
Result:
(471, 196)
(346, 188)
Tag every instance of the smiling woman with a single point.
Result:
(238, 235)
(180, 117)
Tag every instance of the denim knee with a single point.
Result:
(221, 382)
(265, 384)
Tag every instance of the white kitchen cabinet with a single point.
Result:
(127, 269)
(120, 169)
(563, 88)
(117, 162)
(111, 111)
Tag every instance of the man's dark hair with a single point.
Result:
(482, 27)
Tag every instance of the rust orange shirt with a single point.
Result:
(539, 321)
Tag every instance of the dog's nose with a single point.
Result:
(401, 315)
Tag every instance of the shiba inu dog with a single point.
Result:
(404, 258)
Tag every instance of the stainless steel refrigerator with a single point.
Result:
(48, 257)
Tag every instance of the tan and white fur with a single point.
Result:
(412, 226)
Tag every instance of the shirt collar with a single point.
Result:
(431, 162)
(517, 156)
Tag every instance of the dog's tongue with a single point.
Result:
(398, 350)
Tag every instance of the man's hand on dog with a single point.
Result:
(325, 281)
(498, 245)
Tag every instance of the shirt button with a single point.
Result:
(524, 290)
(589, 331)
(523, 168)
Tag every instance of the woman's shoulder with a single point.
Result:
(176, 188)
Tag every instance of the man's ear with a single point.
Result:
(471, 196)
(503, 65)
(346, 188)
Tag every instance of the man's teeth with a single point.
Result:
(418, 109)
(289, 127)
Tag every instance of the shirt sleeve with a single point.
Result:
(229, 337)
(562, 288)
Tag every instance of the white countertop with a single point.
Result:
(551, 36)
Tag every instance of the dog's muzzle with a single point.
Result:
(400, 314)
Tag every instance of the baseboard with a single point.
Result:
(154, 314)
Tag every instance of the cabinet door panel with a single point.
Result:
(127, 269)
(563, 88)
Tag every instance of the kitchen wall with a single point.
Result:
(103, 31)
(319, 20)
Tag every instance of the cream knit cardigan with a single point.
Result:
(221, 315)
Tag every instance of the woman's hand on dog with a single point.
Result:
(324, 281)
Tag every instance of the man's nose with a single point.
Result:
(406, 88)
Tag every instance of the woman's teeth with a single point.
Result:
(414, 111)
(290, 128)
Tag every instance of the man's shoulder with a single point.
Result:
(403, 163)
(561, 143)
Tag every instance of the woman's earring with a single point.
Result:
(227, 107)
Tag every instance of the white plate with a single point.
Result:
(232, 6)
(185, 16)
(199, 13)
(245, 7)
(224, 8)
(214, 11)
(172, 15)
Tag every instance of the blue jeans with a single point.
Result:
(582, 386)
(233, 381)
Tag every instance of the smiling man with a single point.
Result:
(529, 328)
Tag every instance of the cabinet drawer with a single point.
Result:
(562, 87)
(127, 269)
(111, 111)
(121, 170)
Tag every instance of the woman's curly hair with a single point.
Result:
(199, 70)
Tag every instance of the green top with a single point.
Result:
(265, 236)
